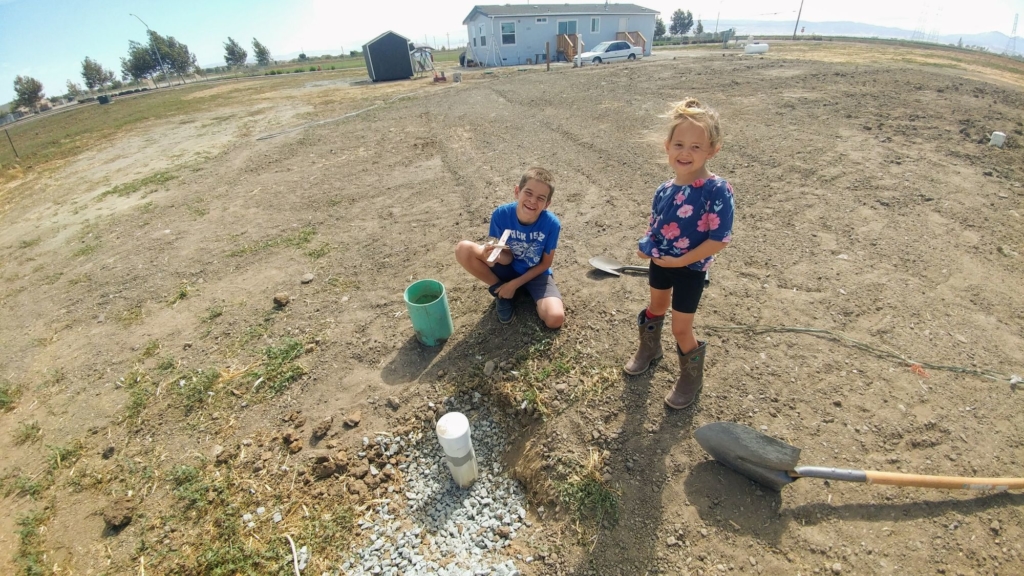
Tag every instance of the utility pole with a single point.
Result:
(449, 37)
(158, 58)
(801, 11)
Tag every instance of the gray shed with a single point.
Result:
(388, 57)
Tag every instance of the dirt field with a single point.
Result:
(143, 356)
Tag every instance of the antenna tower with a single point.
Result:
(922, 24)
(1011, 44)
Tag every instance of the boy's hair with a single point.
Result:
(704, 116)
(541, 175)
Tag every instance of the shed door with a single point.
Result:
(623, 24)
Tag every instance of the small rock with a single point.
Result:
(393, 403)
(321, 429)
(561, 387)
(995, 526)
(1007, 251)
(295, 446)
(837, 568)
(108, 452)
(261, 510)
(306, 278)
(489, 368)
(186, 345)
(118, 513)
(281, 299)
(837, 403)
(359, 470)
(353, 419)
(277, 517)
(671, 541)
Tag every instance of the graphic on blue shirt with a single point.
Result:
(528, 244)
(682, 217)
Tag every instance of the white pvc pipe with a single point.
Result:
(454, 436)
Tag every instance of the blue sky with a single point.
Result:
(48, 39)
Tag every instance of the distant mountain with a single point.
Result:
(993, 41)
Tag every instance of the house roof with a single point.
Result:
(555, 10)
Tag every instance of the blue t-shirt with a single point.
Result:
(527, 243)
(682, 217)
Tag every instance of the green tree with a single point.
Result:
(74, 90)
(234, 54)
(260, 52)
(27, 91)
(94, 74)
(699, 29)
(176, 55)
(140, 63)
(681, 22)
(659, 27)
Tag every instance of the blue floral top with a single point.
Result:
(682, 217)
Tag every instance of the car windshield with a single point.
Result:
(601, 47)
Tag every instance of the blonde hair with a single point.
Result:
(704, 116)
(540, 175)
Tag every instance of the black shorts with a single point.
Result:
(542, 286)
(687, 286)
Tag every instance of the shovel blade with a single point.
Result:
(761, 458)
(606, 264)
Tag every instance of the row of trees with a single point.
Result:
(680, 23)
(159, 55)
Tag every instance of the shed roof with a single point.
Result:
(385, 34)
(555, 10)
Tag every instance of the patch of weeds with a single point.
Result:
(213, 313)
(30, 557)
(31, 486)
(183, 291)
(197, 210)
(80, 279)
(129, 188)
(319, 252)
(131, 316)
(585, 495)
(279, 368)
(30, 242)
(345, 285)
(52, 279)
(297, 240)
(196, 388)
(61, 456)
(84, 250)
(140, 389)
(9, 394)
(166, 365)
(152, 347)
(53, 377)
(190, 487)
(27, 432)
(146, 208)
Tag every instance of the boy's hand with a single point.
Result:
(508, 290)
(490, 249)
(642, 255)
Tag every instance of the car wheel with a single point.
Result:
(597, 60)
(632, 57)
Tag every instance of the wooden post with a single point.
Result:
(12, 144)
(547, 55)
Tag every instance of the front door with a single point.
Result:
(566, 27)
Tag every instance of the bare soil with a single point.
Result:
(868, 204)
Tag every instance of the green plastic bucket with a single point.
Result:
(427, 303)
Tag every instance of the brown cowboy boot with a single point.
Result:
(650, 344)
(691, 377)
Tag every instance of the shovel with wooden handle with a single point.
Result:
(773, 463)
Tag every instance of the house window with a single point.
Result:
(542, 20)
(508, 33)
(567, 27)
(474, 41)
(483, 35)
(483, 40)
(595, 24)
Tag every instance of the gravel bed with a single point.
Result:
(441, 528)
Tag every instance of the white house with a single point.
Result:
(514, 34)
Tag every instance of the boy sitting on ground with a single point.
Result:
(524, 261)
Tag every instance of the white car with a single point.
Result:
(610, 52)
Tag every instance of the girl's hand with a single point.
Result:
(642, 255)
(670, 261)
